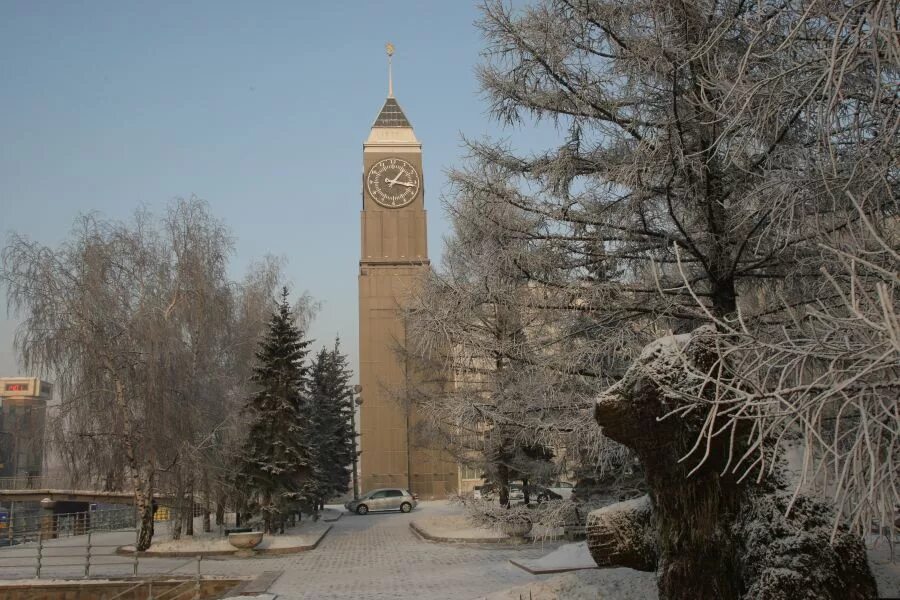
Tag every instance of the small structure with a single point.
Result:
(245, 541)
(23, 407)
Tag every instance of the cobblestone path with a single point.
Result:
(378, 557)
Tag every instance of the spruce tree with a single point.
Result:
(275, 463)
(331, 403)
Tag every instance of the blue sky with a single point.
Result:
(260, 108)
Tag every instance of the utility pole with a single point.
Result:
(357, 401)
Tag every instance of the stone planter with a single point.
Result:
(516, 530)
(245, 542)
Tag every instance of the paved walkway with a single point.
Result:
(373, 557)
(378, 557)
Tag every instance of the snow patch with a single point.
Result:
(456, 526)
(568, 557)
(305, 534)
(606, 584)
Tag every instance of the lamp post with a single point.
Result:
(357, 401)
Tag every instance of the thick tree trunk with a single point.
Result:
(714, 538)
(220, 513)
(624, 534)
(143, 500)
(141, 473)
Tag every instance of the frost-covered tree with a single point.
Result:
(497, 396)
(708, 152)
(275, 464)
(128, 319)
(329, 414)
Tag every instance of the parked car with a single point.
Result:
(515, 492)
(483, 492)
(542, 493)
(383, 499)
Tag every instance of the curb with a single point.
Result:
(121, 551)
(549, 571)
(436, 538)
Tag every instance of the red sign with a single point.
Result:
(16, 387)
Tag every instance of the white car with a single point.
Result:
(483, 492)
(515, 492)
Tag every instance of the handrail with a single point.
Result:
(43, 553)
(149, 584)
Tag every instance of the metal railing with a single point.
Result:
(36, 543)
(188, 586)
(84, 556)
(31, 483)
(28, 527)
(52, 482)
(45, 557)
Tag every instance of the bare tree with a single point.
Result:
(141, 330)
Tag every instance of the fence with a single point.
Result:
(83, 556)
(76, 551)
(57, 482)
(28, 527)
(70, 561)
(33, 483)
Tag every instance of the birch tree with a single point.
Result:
(136, 324)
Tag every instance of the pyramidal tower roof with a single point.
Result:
(391, 115)
(391, 127)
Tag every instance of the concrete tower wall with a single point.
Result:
(393, 258)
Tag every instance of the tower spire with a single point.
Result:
(390, 52)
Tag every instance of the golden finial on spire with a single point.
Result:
(389, 47)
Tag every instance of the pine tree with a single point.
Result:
(275, 462)
(331, 401)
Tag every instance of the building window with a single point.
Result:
(467, 472)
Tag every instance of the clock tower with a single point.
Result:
(394, 257)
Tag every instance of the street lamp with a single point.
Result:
(357, 390)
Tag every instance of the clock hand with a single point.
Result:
(396, 179)
(392, 182)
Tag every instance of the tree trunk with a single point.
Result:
(207, 526)
(220, 513)
(143, 497)
(189, 501)
(503, 482)
(714, 538)
(266, 506)
(141, 472)
(623, 534)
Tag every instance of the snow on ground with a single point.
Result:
(306, 533)
(309, 535)
(885, 570)
(602, 584)
(456, 527)
(567, 557)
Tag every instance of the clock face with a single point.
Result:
(393, 182)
